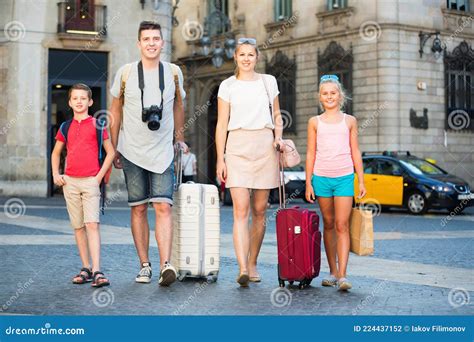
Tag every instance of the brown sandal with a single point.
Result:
(84, 275)
(99, 279)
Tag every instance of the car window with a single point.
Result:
(370, 166)
(388, 167)
(422, 167)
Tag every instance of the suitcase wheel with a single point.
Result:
(304, 283)
(181, 276)
(211, 279)
(281, 283)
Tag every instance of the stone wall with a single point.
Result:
(24, 80)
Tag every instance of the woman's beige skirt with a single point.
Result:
(251, 159)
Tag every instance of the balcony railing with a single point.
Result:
(75, 20)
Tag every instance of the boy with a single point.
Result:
(81, 181)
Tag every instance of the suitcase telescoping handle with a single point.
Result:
(179, 166)
(281, 183)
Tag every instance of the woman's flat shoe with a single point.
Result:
(343, 284)
(256, 279)
(243, 280)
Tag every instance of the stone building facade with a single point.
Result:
(403, 99)
(46, 46)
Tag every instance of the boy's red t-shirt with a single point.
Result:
(82, 159)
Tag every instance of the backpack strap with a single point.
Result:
(99, 130)
(64, 128)
(175, 70)
(123, 82)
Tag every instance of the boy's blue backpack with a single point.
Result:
(99, 128)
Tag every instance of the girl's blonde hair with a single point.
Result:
(344, 97)
(236, 70)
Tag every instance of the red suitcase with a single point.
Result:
(298, 241)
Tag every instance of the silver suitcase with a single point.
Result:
(196, 230)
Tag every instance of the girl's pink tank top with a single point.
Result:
(333, 150)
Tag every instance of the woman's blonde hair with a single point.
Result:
(236, 70)
(334, 80)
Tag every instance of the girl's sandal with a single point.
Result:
(99, 279)
(255, 279)
(84, 276)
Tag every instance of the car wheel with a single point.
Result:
(417, 203)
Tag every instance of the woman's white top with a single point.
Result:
(249, 101)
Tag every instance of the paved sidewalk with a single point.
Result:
(419, 268)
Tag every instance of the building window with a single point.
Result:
(336, 4)
(217, 21)
(284, 70)
(459, 78)
(458, 5)
(218, 5)
(337, 61)
(81, 16)
(283, 9)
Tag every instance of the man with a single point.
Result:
(143, 135)
(189, 166)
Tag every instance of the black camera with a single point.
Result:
(152, 115)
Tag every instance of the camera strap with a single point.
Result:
(141, 81)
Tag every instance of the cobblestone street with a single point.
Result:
(420, 267)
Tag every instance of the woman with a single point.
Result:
(250, 165)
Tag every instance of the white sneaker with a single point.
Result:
(144, 276)
(168, 275)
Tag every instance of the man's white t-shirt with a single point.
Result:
(150, 150)
(249, 101)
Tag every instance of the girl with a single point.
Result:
(250, 166)
(332, 154)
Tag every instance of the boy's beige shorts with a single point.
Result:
(82, 196)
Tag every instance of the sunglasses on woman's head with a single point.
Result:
(329, 78)
(251, 41)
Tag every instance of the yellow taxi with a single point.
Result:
(399, 179)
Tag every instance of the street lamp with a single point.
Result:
(229, 47)
(218, 57)
(206, 45)
(218, 53)
(436, 48)
(217, 33)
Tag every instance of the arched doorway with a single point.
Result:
(89, 67)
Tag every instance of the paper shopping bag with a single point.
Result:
(362, 232)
